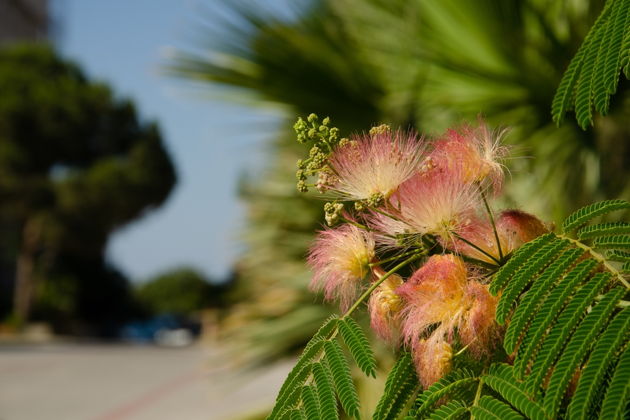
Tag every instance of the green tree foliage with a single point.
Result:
(75, 164)
(180, 291)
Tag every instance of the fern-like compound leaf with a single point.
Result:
(311, 402)
(534, 297)
(614, 242)
(461, 378)
(327, 400)
(400, 386)
(606, 65)
(617, 255)
(592, 377)
(342, 379)
(576, 350)
(604, 229)
(593, 74)
(538, 260)
(358, 345)
(298, 414)
(621, 42)
(501, 379)
(626, 268)
(327, 327)
(566, 90)
(489, 408)
(584, 88)
(583, 215)
(547, 314)
(301, 370)
(619, 390)
(451, 411)
(521, 256)
(564, 326)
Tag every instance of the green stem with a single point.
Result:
(600, 258)
(494, 226)
(477, 395)
(386, 260)
(374, 285)
(478, 249)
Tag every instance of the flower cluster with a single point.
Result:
(418, 239)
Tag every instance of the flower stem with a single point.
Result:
(477, 248)
(415, 251)
(494, 226)
(374, 285)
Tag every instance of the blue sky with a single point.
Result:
(212, 141)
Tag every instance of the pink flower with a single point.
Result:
(478, 328)
(433, 295)
(441, 301)
(436, 203)
(384, 306)
(340, 261)
(375, 164)
(433, 358)
(474, 153)
(514, 228)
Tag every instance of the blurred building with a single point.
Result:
(24, 20)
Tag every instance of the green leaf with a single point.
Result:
(583, 215)
(537, 262)
(563, 327)
(616, 255)
(489, 408)
(619, 390)
(501, 379)
(358, 345)
(575, 351)
(297, 414)
(520, 257)
(583, 90)
(592, 376)
(604, 229)
(548, 312)
(535, 297)
(327, 327)
(311, 402)
(606, 66)
(620, 46)
(447, 385)
(342, 378)
(451, 411)
(619, 242)
(400, 386)
(327, 400)
(565, 93)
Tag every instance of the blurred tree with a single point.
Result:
(420, 64)
(75, 163)
(180, 292)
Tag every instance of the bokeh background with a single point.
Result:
(153, 242)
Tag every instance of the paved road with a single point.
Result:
(117, 382)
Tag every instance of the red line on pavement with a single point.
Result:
(150, 397)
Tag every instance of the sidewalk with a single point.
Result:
(118, 382)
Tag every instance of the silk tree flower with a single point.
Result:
(375, 165)
(340, 261)
(514, 228)
(478, 329)
(436, 203)
(441, 301)
(474, 153)
(433, 295)
(384, 306)
(433, 358)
